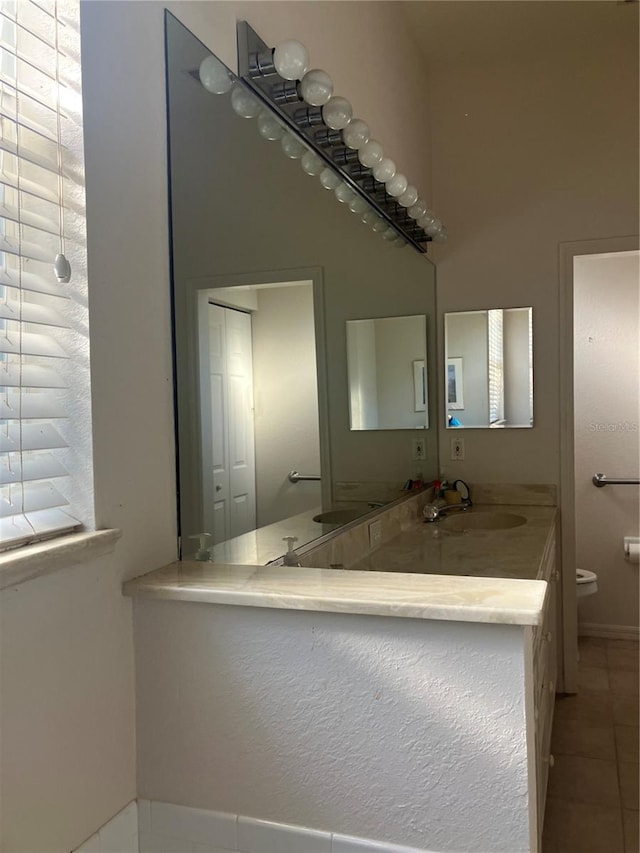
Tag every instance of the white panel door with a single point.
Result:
(229, 492)
(242, 476)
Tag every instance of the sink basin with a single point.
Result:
(482, 521)
(338, 516)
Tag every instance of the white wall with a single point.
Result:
(399, 342)
(286, 402)
(534, 112)
(607, 429)
(400, 730)
(67, 694)
(467, 339)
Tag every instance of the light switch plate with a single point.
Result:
(419, 449)
(457, 449)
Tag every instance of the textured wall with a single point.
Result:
(395, 729)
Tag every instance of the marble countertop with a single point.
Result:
(434, 549)
(424, 572)
(458, 599)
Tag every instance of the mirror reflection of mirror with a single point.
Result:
(489, 368)
(254, 237)
(386, 361)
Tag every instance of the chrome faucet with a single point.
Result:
(433, 512)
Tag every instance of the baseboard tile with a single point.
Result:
(120, 833)
(167, 827)
(609, 632)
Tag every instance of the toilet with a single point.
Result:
(586, 583)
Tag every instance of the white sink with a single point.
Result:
(473, 520)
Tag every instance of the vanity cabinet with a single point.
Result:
(542, 672)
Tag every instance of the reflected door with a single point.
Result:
(229, 484)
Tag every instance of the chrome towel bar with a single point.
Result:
(294, 477)
(601, 480)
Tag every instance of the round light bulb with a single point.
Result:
(370, 216)
(434, 228)
(356, 133)
(409, 197)
(311, 163)
(337, 112)
(291, 59)
(244, 103)
(390, 234)
(384, 170)
(426, 219)
(292, 147)
(399, 243)
(370, 153)
(269, 127)
(418, 209)
(379, 225)
(441, 236)
(344, 193)
(358, 204)
(397, 185)
(214, 76)
(316, 87)
(329, 179)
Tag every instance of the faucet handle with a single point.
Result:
(461, 487)
(430, 512)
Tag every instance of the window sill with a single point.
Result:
(43, 558)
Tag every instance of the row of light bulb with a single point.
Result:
(291, 61)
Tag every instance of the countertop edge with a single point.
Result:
(524, 609)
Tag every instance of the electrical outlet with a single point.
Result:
(457, 449)
(419, 449)
(375, 533)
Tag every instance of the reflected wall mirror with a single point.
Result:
(386, 360)
(267, 268)
(489, 368)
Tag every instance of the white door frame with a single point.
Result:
(567, 252)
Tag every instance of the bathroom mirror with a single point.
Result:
(489, 368)
(386, 361)
(267, 266)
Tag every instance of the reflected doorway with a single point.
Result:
(258, 404)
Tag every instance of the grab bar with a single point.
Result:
(294, 477)
(601, 480)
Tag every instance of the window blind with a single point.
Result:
(496, 365)
(35, 345)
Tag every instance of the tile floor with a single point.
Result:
(592, 799)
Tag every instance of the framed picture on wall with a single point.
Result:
(455, 384)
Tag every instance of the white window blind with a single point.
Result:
(38, 316)
(496, 365)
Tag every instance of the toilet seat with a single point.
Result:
(586, 582)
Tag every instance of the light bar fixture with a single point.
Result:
(318, 128)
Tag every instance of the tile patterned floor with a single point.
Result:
(592, 799)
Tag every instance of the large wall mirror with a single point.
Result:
(267, 267)
(489, 368)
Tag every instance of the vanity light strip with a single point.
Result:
(318, 128)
